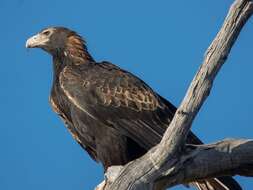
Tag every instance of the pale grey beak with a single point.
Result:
(33, 42)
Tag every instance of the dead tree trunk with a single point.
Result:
(172, 162)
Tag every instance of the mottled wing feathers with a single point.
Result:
(119, 88)
(119, 99)
(110, 86)
(130, 92)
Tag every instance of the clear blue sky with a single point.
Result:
(162, 42)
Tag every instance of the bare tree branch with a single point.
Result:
(223, 158)
(227, 157)
(171, 162)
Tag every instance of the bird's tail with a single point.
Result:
(220, 183)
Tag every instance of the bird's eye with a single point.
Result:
(46, 33)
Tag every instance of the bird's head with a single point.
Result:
(50, 39)
(61, 40)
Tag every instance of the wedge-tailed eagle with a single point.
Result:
(111, 113)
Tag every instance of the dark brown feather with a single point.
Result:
(115, 116)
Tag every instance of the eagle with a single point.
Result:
(114, 115)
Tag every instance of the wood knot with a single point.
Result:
(182, 112)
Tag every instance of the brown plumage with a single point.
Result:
(111, 113)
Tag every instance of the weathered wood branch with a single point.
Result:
(227, 157)
(197, 162)
(171, 162)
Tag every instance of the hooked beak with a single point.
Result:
(37, 40)
(32, 42)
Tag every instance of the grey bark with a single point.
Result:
(173, 162)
